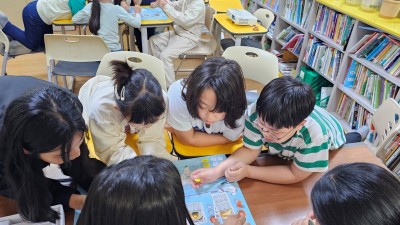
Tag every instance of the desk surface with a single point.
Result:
(221, 6)
(228, 25)
(270, 204)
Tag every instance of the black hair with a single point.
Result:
(357, 194)
(39, 122)
(143, 97)
(285, 102)
(226, 79)
(94, 20)
(145, 190)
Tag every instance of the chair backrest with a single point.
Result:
(265, 16)
(74, 48)
(386, 121)
(256, 64)
(134, 60)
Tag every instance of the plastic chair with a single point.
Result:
(386, 122)
(7, 54)
(265, 17)
(135, 60)
(207, 44)
(73, 55)
(257, 64)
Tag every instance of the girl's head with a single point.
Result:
(357, 194)
(138, 94)
(46, 123)
(215, 91)
(144, 190)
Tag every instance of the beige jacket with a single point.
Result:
(107, 126)
(188, 17)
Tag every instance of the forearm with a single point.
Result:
(280, 174)
(77, 201)
(243, 154)
(202, 139)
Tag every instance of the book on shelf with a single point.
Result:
(292, 42)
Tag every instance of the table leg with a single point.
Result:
(63, 30)
(131, 39)
(217, 36)
(145, 42)
(237, 41)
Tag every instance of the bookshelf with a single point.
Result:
(325, 39)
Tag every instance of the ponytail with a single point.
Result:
(137, 93)
(94, 21)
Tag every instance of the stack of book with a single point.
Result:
(355, 115)
(272, 4)
(297, 11)
(286, 68)
(333, 25)
(322, 58)
(368, 84)
(392, 152)
(381, 50)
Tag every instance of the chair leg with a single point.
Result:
(180, 63)
(4, 64)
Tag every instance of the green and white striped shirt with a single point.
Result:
(308, 148)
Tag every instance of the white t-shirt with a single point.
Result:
(50, 10)
(180, 119)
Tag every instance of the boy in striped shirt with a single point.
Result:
(285, 119)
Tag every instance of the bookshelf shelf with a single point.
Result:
(363, 101)
(327, 40)
(377, 69)
(342, 29)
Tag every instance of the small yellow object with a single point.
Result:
(197, 180)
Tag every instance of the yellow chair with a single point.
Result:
(186, 151)
(131, 140)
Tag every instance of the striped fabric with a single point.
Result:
(308, 148)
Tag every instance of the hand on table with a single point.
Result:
(233, 220)
(137, 9)
(203, 176)
(237, 172)
(162, 3)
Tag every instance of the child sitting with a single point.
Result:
(103, 18)
(285, 119)
(188, 17)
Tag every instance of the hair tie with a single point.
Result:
(120, 96)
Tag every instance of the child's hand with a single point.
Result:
(137, 9)
(154, 4)
(169, 128)
(77, 201)
(237, 172)
(202, 176)
(233, 220)
(162, 3)
(137, 2)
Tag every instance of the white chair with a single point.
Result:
(207, 43)
(8, 53)
(257, 64)
(386, 121)
(265, 17)
(134, 60)
(73, 55)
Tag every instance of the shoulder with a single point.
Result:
(175, 89)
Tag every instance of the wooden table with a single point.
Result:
(270, 204)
